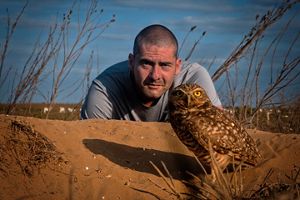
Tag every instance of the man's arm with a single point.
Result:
(198, 74)
(97, 103)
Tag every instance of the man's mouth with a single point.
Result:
(153, 86)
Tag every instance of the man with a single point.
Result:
(138, 89)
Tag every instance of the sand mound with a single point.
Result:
(98, 159)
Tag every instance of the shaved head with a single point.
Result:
(157, 35)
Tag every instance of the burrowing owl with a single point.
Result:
(196, 122)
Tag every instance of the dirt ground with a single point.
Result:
(101, 159)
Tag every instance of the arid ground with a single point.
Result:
(97, 159)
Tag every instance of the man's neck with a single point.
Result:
(149, 103)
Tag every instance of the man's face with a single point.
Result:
(154, 69)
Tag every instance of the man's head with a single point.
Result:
(154, 62)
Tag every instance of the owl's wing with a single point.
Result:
(226, 135)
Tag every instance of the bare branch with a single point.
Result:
(9, 33)
(265, 22)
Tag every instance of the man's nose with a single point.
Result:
(155, 73)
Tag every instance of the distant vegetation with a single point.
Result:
(276, 119)
(280, 119)
(41, 110)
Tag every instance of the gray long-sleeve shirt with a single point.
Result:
(112, 94)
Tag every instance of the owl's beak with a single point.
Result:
(188, 100)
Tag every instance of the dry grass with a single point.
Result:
(280, 189)
(278, 119)
(52, 58)
(226, 186)
(28, 148)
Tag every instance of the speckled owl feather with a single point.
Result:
(196, 121)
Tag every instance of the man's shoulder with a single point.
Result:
(191, 66)
(189, 72)
(115, 77)
(116, 72)
(118, 67)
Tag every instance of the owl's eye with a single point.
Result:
(197, 93)
(178, 93)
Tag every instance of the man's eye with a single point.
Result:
(166, 67)
(145, 64)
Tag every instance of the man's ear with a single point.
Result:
(130, 61)
(177, 66)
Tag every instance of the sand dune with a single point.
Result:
(98, 159)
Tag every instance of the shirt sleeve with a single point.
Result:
(195, 73)
(97, 103)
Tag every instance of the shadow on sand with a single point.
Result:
(137, 158)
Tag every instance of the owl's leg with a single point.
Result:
(223, 160)
(218, 164)
(213, 176)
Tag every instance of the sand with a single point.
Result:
(107, 159)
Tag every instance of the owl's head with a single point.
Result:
(188, 96)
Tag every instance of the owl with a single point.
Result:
(197, 122)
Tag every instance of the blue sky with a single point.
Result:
(225, 22)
